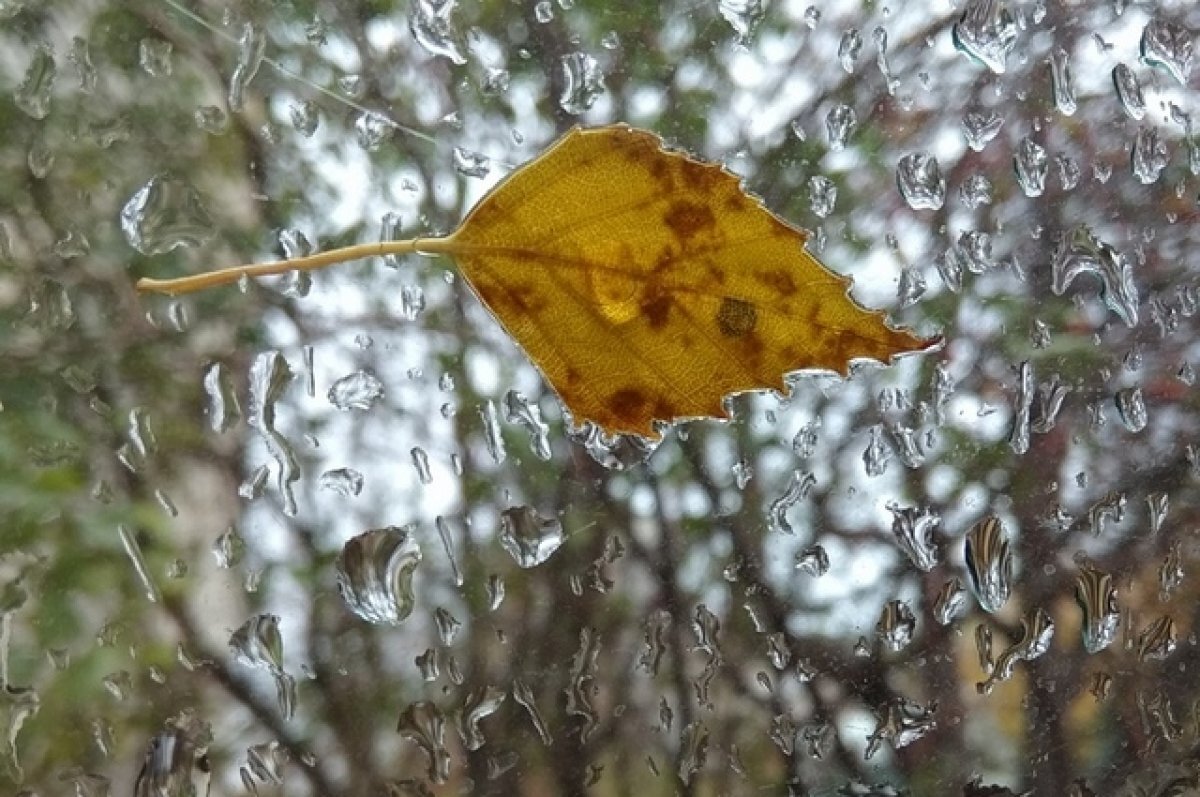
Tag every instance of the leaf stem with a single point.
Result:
(228, 276)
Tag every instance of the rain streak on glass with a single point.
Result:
(1129, 91)
(357, 391)
(583, 82)
(164, 214)
(529, 537)
(1063, 82)
(251, 47)
(987, 32)
(375, 574)
(989, 563)
(839, 125)
(1096, 595)
(1168, 46)
(920, 180)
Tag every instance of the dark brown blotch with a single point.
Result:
(736, 317)
(687, 219)
(777, 280)
(627, 404)
(656, 309)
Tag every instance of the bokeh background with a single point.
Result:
(964, 573)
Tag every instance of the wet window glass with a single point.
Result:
(583, 474)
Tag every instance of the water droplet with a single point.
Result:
(743, 16)
(896, 625)
(913, 528)
(1069, 172)
(1129, 91)
(839, 124)
(822, 194)
(346, 482)
(229, 548)
(951, 601)
(529, 537)
(980, 127)
(470, 163)
(431, 25)
(1063, 83)
(1168, 45)
(306, 117)
(878, 452)
(920, 181)
(902, 722)
(492, 434)
(812, 16)
(813, 561)
(1037, 629)
(269, 377)
(657, 626)
(519, 410)
(495, 591)
(223, 409)
(582, 82)
(371, 130)
(1018, 436)
(251, 46)
(154, 56)
(798, 487)
(1157, 640)
(360, 390)
(33, 95)
(448, 626)
(81, 57)
(1149, 156)
(543, 12)
(1097, 597)
(258, 644)
(693, 750)
(987, 32)
(805, 441)
(495, 82)
(1080, 252)
(849, 48)
(375, 574)
(481, 702)
(523, 695)
(989, 563)
(1031, 164)
(423, 723)
(581, 687)
(447, 538)
(1132, 408)
(976, 191)
(175, 762)
(211, 119)
(164, 214)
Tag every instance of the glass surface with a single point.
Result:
(332, 534)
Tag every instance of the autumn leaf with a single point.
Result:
(645, 285)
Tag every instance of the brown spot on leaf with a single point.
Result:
(777, 280)
(655, 310)
(736, 317)
(686, 219)
(627, 403)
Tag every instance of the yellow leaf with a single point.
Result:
(644, 284)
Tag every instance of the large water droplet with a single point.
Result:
(431, 25)
(951, 601)
(175, 763)
(920, 181)
(529, 537)
(839, 124)
(987, 32)
(270, 374)
(375, 574)
(582, 82)
(1149, 156)
(423, 722)
(1037, 629)
(902, 722)
(481, 702)
(164, 214)
(259, 645)
(1097, 597)
(1129, 91)
(1031, 164)
(1081, 252)
(913, 528)
(1168, 45)
(33, 95)
(1132, 408)
(989, 563)
(357, 391)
